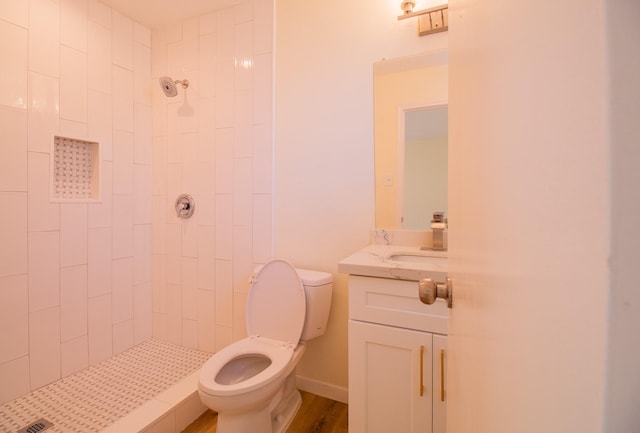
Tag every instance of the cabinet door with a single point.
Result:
(439, 383)
(390, 379)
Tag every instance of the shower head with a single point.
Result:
(169, 85)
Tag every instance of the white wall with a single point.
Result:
(75, 279)
(324, 189)
(214, 142)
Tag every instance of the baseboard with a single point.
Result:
(323, 389)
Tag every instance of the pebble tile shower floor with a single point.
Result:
(96, 397)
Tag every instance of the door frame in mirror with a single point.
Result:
(400, 149)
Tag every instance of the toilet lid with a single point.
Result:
(276, 303)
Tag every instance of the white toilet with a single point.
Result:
(251, 383)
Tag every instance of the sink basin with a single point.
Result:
(416, 256)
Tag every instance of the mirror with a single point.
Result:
(410, 132)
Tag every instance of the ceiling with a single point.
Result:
(156, 13)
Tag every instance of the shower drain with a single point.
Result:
(36, 426)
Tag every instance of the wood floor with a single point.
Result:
(316, 415)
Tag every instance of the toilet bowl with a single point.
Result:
(251, 383)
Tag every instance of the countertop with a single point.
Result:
(377, 261)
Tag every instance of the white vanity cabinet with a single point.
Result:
(397, 358)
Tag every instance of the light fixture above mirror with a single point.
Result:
(432, 20)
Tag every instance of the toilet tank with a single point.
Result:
(318, 287)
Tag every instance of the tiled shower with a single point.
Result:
(81, 282)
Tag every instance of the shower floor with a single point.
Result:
(94, 398)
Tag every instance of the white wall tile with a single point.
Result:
(73, 302)
(122, 162)
(174, 189)
(159, 287)
(224, 160)
(243, 134)
(206, 257)
(73, 84)
(44, 105)
(100, 213)
(159, 165)
(100, 122)
(239, 316)
(44, 346)
(122, 27)
(44, 271)
(242, 257)
(13, 152)
(174, 63)
(122, 92)
(141, 73)
(100, 329)
(142, 136)
(263, 26)
(224, 336)
(263, 89)
(174, 253)
(122, 290)
(159, 244)
(207, 23)
(190, 163)
(74, 355)
(206, 320)
(15, 379)
(262, 228)
(174, 313)
(262, 159)
(13, 232)
(224, 74)
(142, 186)
(142, 254)
(159, 53)
(224, 292)
(243, 53)
(99, 13)
(14, 318)
(206, 206)
(73, 234)
(141, 34)
(122, 336)
(224, 226)
(190, 288)
(190, 238)
(73, 24)
(226, 33)
(190, 333)
(73, 128)
(142, 312)
(44, 43)
(207, 64)
(42, 214)
(15, 12)
(242, 197)
(99, 55)
(13, 51)
(190, 39)
(122, 226)
(99, 262)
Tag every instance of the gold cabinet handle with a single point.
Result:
(441, 374)
(421, 371)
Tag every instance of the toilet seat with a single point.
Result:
(276, 305)
(276, 308)
(279, 354)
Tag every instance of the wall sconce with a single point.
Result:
(432, 20)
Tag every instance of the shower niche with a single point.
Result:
(75, 170)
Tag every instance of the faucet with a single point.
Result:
(438, 226)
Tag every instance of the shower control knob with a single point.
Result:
(185, 206)
(429, 291)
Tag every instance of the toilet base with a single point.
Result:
(285, 412)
